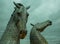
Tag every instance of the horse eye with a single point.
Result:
(19, 14)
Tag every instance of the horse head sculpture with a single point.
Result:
(21, 17)
(35, 35)
(16, 27)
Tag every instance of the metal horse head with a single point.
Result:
(41, 26)
(21, 17)
(35, 36)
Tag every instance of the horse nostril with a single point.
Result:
(50, 22)
(23, 31)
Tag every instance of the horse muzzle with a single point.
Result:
(23, 33)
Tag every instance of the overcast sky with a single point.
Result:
(39, 11)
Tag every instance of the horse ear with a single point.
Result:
(16, 5)
(27, 7)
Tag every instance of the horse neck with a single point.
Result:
(11, 34)
(11, 28)
(36, 35)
